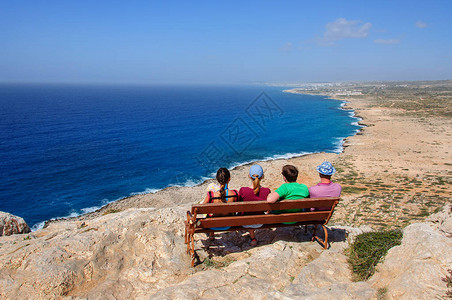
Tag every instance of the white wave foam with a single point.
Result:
(90, 209)
(146, 191)
(351, 114)
(190, 182)
(268, 158)
(358, 119)
(74, 214)
(339, 145)
(38, 226)
(286, 156)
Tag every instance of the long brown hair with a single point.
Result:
(256, 184)
(223, 177)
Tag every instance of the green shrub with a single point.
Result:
(368, 249)
(110, 211)
(210, 263)
(448, 281)
(381, 293)
(353, 190)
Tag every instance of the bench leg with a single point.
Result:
(192, 251)
(325, 246)
(324, 243)
(188, 243)
(313, 233)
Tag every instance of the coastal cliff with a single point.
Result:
(395, 173)
(140, 253)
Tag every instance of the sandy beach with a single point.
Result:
(395, 171)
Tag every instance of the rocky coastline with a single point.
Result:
(395, 173)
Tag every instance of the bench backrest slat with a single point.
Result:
(315, 216)
(260, 206)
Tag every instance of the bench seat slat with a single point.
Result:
(318, 216)
(260, 206)
(240, 228)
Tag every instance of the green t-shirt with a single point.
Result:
(291, 191)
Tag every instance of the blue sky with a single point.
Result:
(150, 42)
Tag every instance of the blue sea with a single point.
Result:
(70, 149)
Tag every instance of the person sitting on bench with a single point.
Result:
(290, 190)
(326, 188)
(254, 193)
(221, 193)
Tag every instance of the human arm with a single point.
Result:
(273, 197)
(206, 200)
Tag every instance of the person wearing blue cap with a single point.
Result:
(254, 193)
(326, 187)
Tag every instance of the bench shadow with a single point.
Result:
(239, 241)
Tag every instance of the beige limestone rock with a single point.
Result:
(285, 265)
(121, 255)
(10, 224)
(140, 254)
(442, 220)
(265, 270)
(414, 269)
(327, 277)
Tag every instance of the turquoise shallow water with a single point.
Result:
(69, 149)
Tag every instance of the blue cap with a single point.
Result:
(326, 168)
(256, 170)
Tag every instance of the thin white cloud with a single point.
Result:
(287, 47)
(420, 24)
(342, 29)
(387, 42)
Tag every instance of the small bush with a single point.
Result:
(448, 281)
(368, 249)
(381, 293)
(353, 190)
(210, 263)
(110, 211)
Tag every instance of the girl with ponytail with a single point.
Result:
(220, 193)
(254, 193)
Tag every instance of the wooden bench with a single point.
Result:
(197, 222)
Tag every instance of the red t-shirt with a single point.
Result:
(247, 194)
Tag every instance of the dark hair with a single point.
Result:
(223, 177)
(290, 173)
(325, 176)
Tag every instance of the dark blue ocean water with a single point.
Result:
(68, 149)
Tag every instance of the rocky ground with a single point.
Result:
(140, 254)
